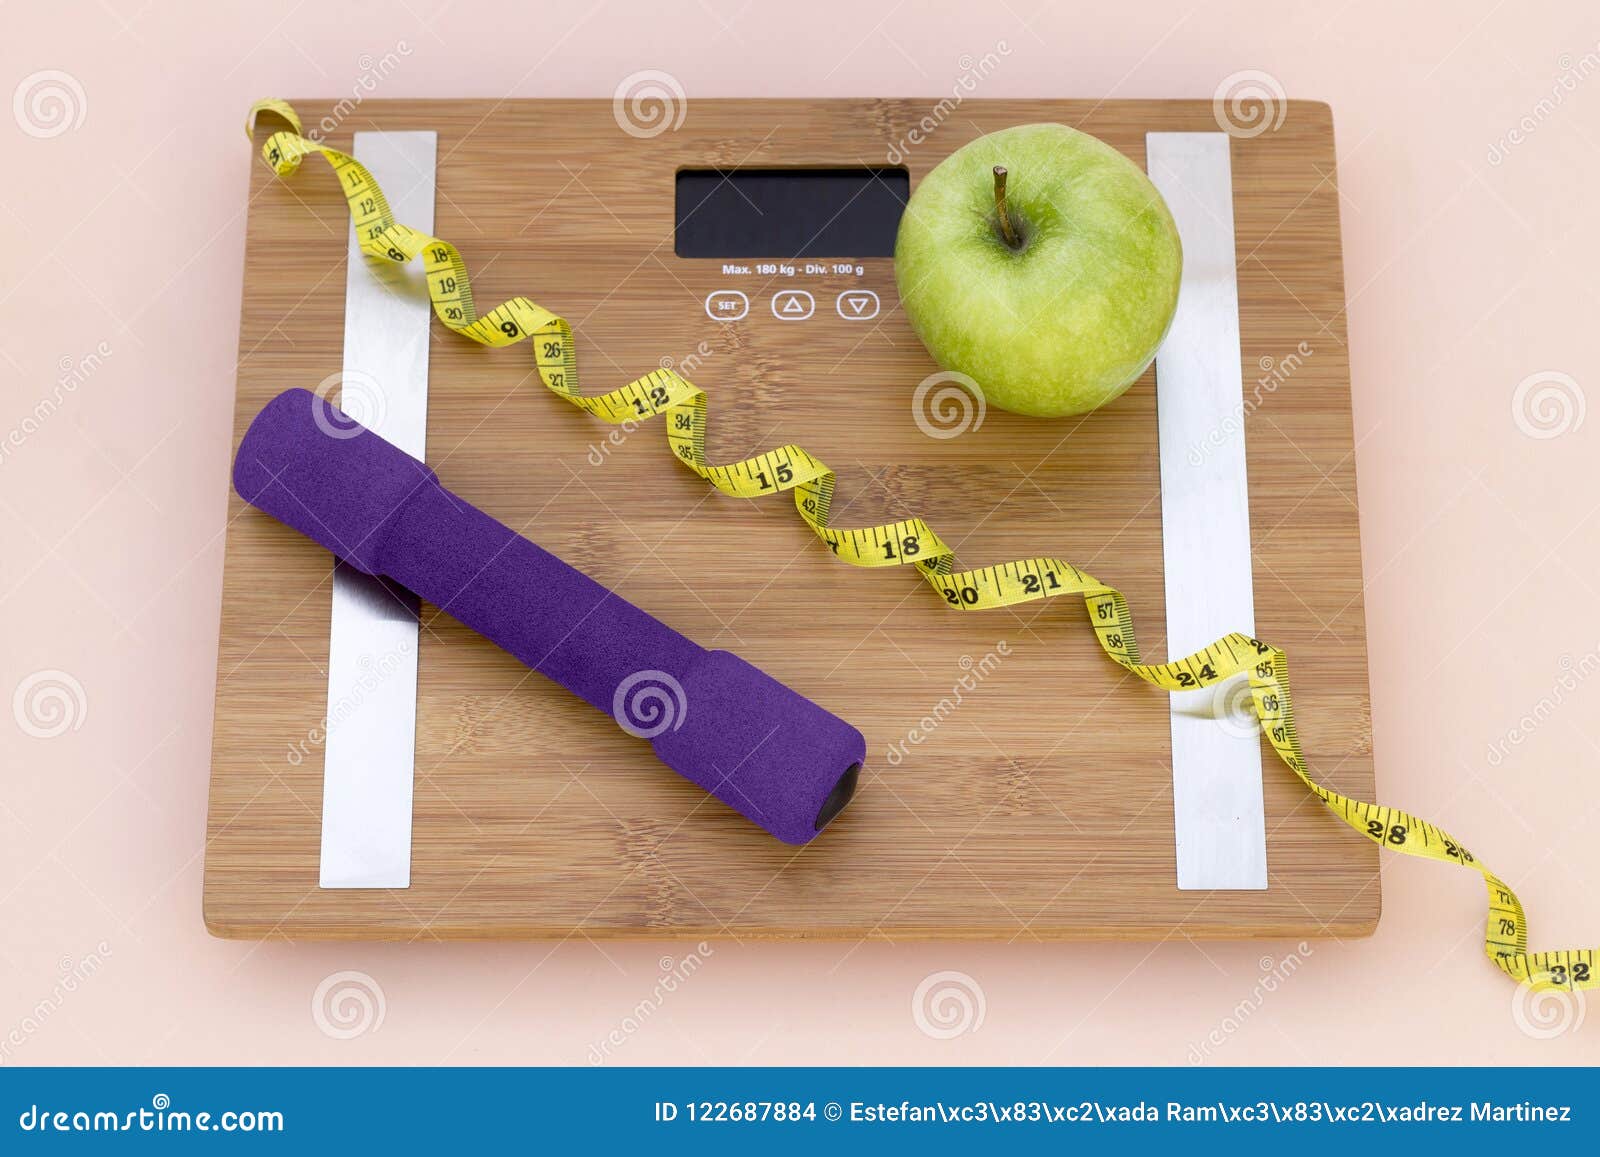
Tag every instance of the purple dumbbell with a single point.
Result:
(762, 749)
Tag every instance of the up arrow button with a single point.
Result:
(793, 305)
(857, 305)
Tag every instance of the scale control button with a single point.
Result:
(793, 305)
(857, 305)
(726, 305)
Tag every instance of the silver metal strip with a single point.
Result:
(370, 751)
(1205, 521)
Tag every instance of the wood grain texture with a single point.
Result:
(1040, 808)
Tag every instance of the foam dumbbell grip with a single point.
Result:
(763, 749)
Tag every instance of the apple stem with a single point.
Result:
(1007, 230)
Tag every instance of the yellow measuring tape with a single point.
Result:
(910, 541)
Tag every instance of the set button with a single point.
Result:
(726, 305)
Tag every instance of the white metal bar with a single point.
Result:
(370, 751)
(1205, 521)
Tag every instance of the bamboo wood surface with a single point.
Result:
(1040, 807)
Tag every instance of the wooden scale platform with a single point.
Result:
(1041, 808)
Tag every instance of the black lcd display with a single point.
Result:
(789, 213)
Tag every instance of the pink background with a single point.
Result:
(1469, 260)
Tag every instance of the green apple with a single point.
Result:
(1042, 263)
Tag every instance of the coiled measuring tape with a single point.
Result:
(910, 541)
